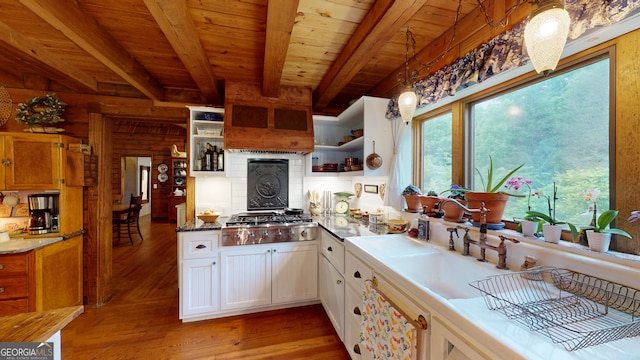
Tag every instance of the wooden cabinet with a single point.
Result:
(31, 162)
(260, 275)
(16, 283)
(366, 114)
(46, 278)
(206, 126)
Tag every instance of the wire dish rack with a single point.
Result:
(571, 308)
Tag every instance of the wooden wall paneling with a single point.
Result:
(627, 138)
(98, 239)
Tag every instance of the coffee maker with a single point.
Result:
(43, 213)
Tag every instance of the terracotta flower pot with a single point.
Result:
(413, 202)
(430, 202)
(453, 212)
(495, 202)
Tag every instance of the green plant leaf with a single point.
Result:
(606, 218)
(617, 232)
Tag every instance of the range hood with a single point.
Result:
(270, 124)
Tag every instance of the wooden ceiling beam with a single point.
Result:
(177, 24)
(381, 23)
(281, 15)
(29, 52)
(77, 25)
(159, 114)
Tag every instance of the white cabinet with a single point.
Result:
(198, 273)
(332, 289)
(199, 287)
(267, 274)
(356, 272)
(367, 114)
(206, 126)
(332, 285)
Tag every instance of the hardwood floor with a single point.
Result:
(141, 320)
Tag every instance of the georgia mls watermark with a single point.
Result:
(26, 351)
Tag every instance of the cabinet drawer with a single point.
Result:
(356, 272)
(333, 249)
(199, 246)
(353, 304)
(13, 264)
(14, 287)
(13, 307)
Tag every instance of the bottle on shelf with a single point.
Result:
(208, 156)
(214, 158)
(221, 159)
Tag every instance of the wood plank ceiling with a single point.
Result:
(184, 51)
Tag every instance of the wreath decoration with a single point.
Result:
(40, 111)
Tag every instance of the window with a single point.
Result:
(436, 153)
(559, 128)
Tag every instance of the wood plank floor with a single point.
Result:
(141, 320)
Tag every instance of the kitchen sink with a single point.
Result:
(429, 266)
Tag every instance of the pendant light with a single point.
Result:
(546, 34)
(408, 100)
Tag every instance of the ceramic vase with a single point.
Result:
(598, 241)
(495, 202)
(529, 228)
(552, 233)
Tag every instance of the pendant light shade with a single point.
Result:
(546, 34)
(407, 102)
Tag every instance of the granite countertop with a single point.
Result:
(345, 226)
(199, 225)
(21, 244)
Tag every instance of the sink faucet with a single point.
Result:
(482, 240)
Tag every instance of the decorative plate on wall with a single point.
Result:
(162, 168)
(162, 177)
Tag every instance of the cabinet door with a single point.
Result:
(245, 277)
(295, 273)
(35, 162)
(332, 295)
(199, 293)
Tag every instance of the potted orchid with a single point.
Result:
(551, 226)
(528, 227)
(599, 231)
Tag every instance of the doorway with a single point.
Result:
(136, 180)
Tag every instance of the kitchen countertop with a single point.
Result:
(199, 225)
(20, 245)
(344, 226)
(507, 338)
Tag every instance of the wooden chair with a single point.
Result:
(129, 218)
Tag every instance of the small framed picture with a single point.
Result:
(373, 189)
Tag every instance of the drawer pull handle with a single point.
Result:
(1, 290)
(356, 349)
(356, 310)
(339, 282)
(1, 266)
(201, 246)
(357, 275)
(329, 248)
(214, 263)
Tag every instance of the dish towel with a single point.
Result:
(386, 333)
